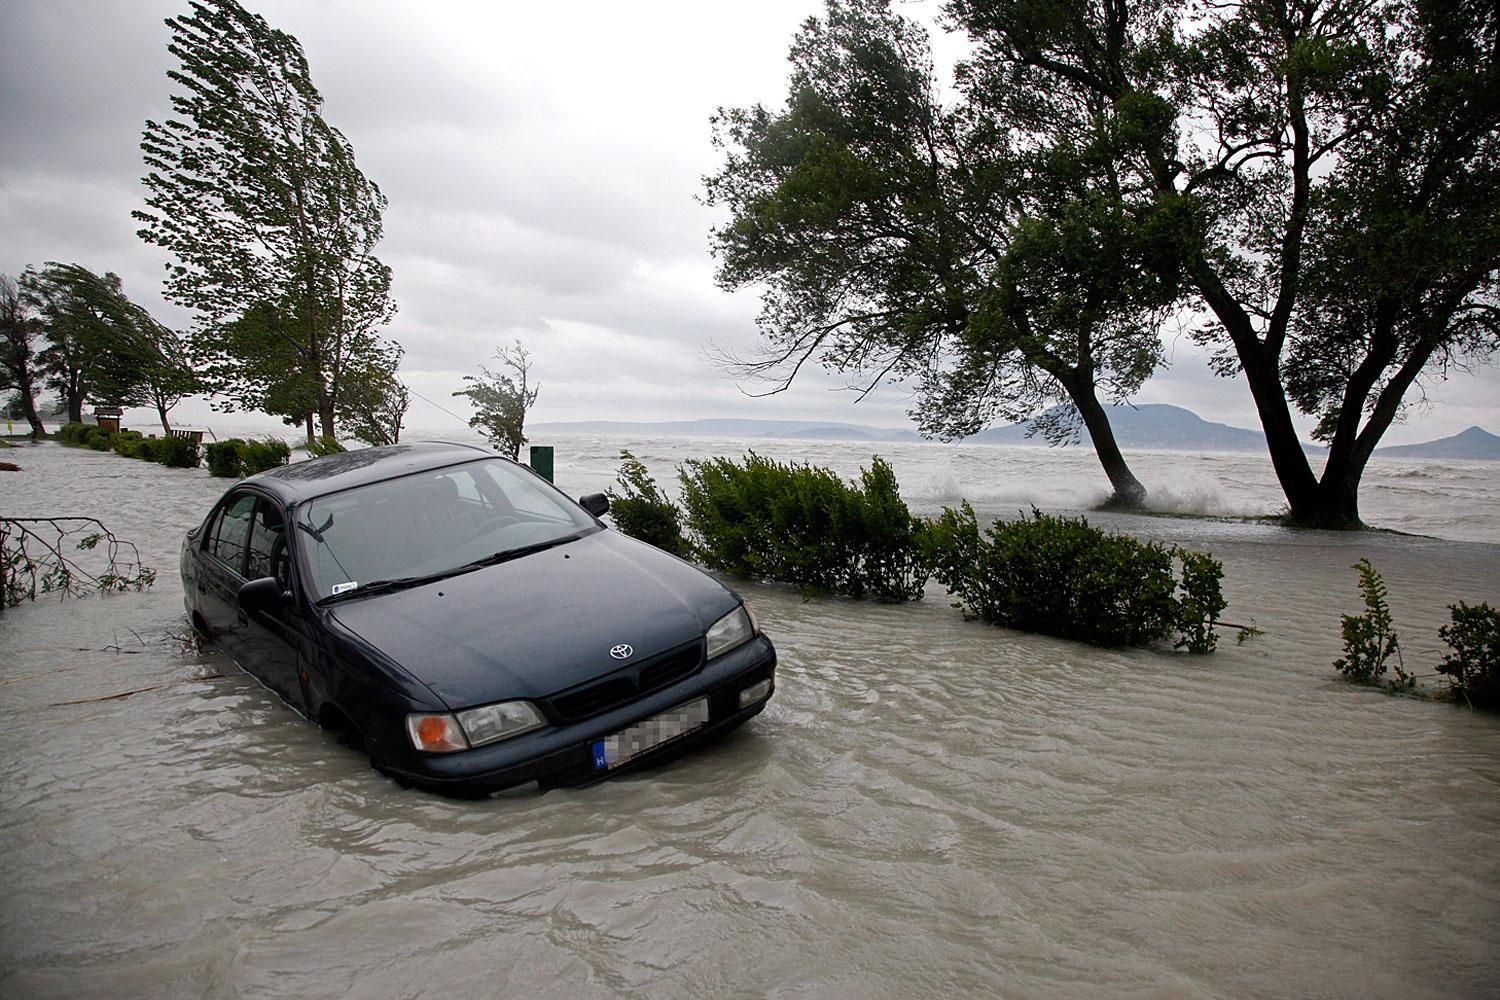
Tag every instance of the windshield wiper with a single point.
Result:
(525, 550)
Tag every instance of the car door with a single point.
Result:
(222, 569)
(272, 640)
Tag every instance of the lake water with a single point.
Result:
(929, 807)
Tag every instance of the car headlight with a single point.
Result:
(501, 721)
(474, 727)
(734, 629)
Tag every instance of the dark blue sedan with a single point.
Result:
(472, 626)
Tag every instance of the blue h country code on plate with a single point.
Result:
(627, 744)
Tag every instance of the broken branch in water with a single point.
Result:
(36, 558)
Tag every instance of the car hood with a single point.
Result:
(542, 623)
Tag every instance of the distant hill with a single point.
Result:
(1156, 426)
(1473, 444)
(1151, 425)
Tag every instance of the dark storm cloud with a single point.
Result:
(542, 165)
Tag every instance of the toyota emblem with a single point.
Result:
(621, 652)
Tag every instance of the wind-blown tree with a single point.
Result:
(988, 263)
(259, 201)
(502, 398)
(101, 346)
(374, 405)
(1341, 162)
(19, 334)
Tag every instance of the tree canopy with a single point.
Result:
(101, 346)
(260, 204)
(978, 250)
(1339, 164)
(501, 399)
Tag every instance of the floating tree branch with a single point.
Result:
(37, 557)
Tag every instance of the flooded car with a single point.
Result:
(472, 625)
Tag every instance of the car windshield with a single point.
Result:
(431, 524)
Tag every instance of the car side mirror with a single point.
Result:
(595, 503)
(262, 596)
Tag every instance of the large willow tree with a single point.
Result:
(261, 206)
(1341, 160)
(977, 249)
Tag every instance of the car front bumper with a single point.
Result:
(563, 755)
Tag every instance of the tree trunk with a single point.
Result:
(325, 420)
(28, 407)
(161, 411)
(1129, 493)
(310, 432)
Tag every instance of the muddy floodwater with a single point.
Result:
(928, 808)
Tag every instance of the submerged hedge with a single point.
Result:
(803, 525)
(236, 457)
(1060, 576)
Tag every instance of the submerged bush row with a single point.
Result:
(176, 452)
(236, 457)
(803, 525)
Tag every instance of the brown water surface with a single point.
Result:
(929, 808)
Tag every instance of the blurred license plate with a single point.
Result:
(628, 744)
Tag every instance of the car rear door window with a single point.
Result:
(267, 546)
(233, 530)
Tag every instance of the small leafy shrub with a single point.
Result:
(127, 443)
(146, 449)
(1059, 576)
(223, 458)
(71, 433)
(320, 446)
(178, 452)
(1370, 643)
(642, 511)
(267, 453)
(1474, 667)
(803, 525)
(99, 440)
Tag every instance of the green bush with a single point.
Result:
(100, 441)
(320, 446)
(1059, 576)
(267, 453)
(127, 443)
(1370, 643)
(146, 449)
(72, 433)
(1474, 667)
(803, 525)
(642, 511)
(177, 452)
(223, 458)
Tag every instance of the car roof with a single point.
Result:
(332, 473)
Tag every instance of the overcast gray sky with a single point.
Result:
(542, 164)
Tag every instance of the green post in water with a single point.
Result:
(541, 460)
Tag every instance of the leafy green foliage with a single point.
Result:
(1059, 576)
(235, 457)
(641, 510)
(1370, 642)
(223, 458)
(270, 224)
(1473, 668)
(178, 452)
(803, 525)
(101, 345)
(321, 446)
(20, 372)
(1330, 173)
(1200, 603)
(501, 399)
(265, 453)
(978, 249)
(127, 443)
(36, 557)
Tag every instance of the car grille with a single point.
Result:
(601, 696)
